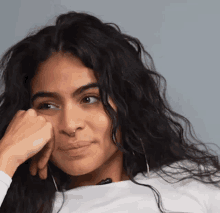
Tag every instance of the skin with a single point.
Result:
(63, 73)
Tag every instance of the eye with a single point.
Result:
(97, 98)
(43, 105)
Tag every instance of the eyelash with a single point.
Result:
(46, 103)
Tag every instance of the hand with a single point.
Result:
(39, 162)
(29, 135)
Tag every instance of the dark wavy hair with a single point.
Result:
(148, 125)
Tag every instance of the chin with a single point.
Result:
(77, 171)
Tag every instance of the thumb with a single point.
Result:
(46, 152)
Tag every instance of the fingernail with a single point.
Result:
(31, 172)
(43, 177)
(34, 172)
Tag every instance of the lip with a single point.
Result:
(76, 145)
(77, 153)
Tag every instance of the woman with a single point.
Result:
(107, 133)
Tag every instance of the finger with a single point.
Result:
(46, 153)
(34, 163)
(43, 173)
(33, 166)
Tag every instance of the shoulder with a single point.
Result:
(202, 195)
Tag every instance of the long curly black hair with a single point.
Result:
(149, 127)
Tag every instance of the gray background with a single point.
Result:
(182, 37)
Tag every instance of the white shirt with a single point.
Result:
(5, 182)
(127, 197)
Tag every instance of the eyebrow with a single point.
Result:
(56, 95)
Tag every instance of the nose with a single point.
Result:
(71, 119)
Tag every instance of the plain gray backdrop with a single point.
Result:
(182, 37)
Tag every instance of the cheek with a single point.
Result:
(101, 121)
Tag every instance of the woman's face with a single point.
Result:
(69, 112)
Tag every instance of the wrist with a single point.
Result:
(7, 165)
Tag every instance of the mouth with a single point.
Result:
(77, 152)
(76, 145)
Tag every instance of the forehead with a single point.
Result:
(62, 72)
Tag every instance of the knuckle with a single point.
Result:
(31, 111)
(41, 118)
(49, 124)
(20, 112)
